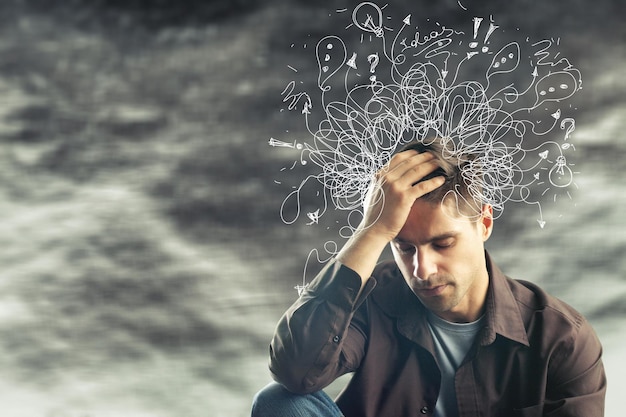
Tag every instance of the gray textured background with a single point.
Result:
(144, 262)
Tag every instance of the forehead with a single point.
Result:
(428, 220)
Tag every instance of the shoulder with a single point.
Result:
(561, 335)
(534, 301)
(561, 331)
(539, 311)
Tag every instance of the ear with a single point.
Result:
(486, 221)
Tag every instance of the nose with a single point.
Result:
(424, 265)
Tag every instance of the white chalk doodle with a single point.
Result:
(281, 144)
(484, 94)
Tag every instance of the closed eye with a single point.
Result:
(443, 244)
(404, 248)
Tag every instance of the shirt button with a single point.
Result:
(424, 410)
(336, 339)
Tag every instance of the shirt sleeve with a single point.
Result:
(323, 334)
(577, 380)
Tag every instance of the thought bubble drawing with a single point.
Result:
(331, 55)
(403, 80)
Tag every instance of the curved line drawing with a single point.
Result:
(499, 99)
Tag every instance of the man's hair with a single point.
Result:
(463, 180)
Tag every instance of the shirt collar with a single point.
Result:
(502, 314)
(502, 310)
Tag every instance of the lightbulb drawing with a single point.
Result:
(561, 175)
(368, 17)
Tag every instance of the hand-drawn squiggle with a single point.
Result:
(507, 115)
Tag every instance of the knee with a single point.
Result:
(275, 400)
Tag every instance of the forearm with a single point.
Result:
(319, 338)
(362, 252)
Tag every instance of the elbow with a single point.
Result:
(295, 377)
(294, 381)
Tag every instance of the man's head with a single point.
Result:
(440, 249)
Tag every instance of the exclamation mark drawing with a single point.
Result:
(474, 44)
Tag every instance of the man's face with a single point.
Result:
(441, 256)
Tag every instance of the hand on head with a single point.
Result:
(394, 190)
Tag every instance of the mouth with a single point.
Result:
(432, 292)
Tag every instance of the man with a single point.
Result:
(440, 331)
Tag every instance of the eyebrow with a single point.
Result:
(442, 236)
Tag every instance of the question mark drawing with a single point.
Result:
(373, 59)
(570, 128)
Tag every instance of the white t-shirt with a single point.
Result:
(452, 342)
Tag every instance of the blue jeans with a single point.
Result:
(275, 401)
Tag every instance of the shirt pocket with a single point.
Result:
(532, 411)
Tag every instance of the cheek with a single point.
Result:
(473, 261)
(458, 263)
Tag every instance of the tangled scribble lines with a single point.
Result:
(500, 101)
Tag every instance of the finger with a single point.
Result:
(424, 187)
(406, 156)
(414, 170)
(402, 162)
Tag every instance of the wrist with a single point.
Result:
(372, 237)
(362, 251)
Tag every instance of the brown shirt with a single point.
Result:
(536, 356)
